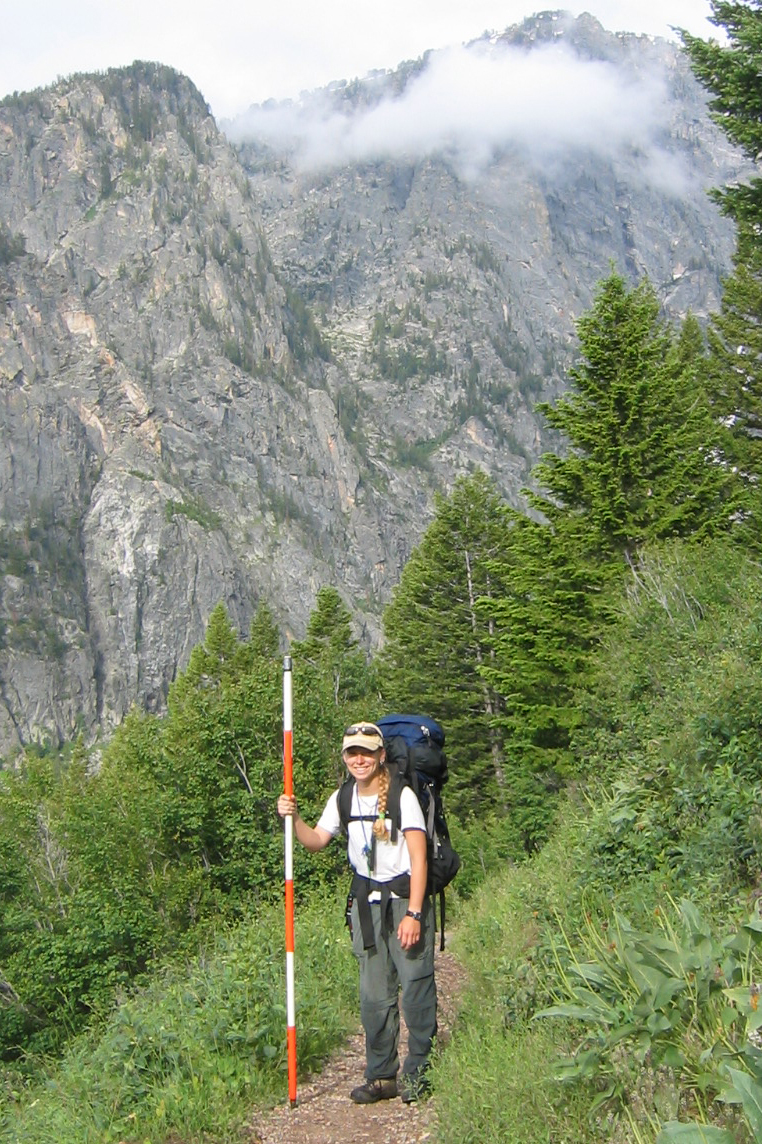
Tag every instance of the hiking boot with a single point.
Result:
(414, 1086)
(382, 1088)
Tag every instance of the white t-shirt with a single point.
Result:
(392, 858)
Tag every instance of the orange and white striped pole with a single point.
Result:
(288, 788)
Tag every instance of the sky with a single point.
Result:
(244, 52)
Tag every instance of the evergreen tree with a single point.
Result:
(217, 657)
(546, 624)
(641, 463)
(439, 632)
(732, 73)
(331, 649)
(734, 377)
(264, 639)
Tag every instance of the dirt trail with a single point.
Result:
(324, 1114)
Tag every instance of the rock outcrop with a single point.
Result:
(223, 377)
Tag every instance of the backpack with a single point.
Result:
(415, 757)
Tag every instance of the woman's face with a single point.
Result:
(363, 764)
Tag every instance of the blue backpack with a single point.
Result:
(415, 757)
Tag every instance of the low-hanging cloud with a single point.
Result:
(473, 102)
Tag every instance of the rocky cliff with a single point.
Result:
(233, 371)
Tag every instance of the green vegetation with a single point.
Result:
(734, 381)
(45, 553)
(417, 356)
(12, 246)
(480, 253)
(417, 454)
(194, 509)
(304, 340)
(188, 1055)
(436, 623)
(106, 874)
(620, 968)
(597, 666)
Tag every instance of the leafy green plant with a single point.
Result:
(187, 1056)
(677, 1001)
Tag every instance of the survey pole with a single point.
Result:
(288, 788)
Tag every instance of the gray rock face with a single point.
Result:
(225, 377)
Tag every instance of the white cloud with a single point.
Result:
(473, 102)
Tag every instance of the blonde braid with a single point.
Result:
(379, 826)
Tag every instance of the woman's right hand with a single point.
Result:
(286, 805)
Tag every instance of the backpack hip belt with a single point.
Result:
(361, 888)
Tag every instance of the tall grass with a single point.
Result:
(189, 1056)
(496, 1080)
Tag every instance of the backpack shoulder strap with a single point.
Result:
(345, 802)
(397, 784)
(346, 794)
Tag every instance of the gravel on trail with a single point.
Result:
(324, 1114)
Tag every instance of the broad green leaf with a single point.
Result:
(676, 1133)
(707, 1081)
(658, 1023)
(577, 1012)
(750, 1091)
(591, 972)
(668, 991)
(693, 918)
(747, 1001)
(584, 1064)
(672, 1057)
(650, 976)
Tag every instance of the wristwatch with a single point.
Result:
(414, 914)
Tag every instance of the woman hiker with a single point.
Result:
(391, 919)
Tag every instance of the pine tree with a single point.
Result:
(218, 656)
(642, 459)
(641, 464)
(734, 375)
(546, 623)
(264, 639)
(439, 633)
(331, 648)
(732, 73)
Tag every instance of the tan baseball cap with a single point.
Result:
(366, 735)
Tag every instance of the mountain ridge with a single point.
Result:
(225, 376)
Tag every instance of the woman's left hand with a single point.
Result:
(408, 932)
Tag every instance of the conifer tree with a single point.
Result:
(641, 463)
(546, 624)
(331, 648)
(217, 657)
(439, 633)
(264, 639)
(732, 72)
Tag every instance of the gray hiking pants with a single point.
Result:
(385, 970)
